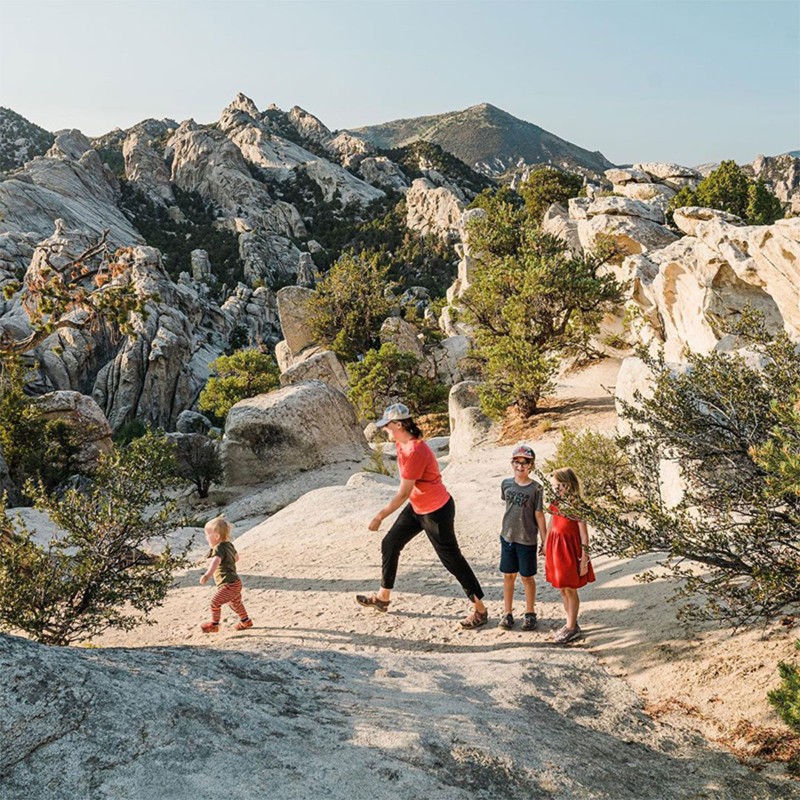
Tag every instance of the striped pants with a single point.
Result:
(230, 593)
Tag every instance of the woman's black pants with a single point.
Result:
(442, 535)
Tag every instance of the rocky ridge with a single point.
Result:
(20, 140)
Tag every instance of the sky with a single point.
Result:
(639, 80)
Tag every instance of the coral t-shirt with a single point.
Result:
(416, 462)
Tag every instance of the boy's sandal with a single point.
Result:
(372, 601)
(475, 620)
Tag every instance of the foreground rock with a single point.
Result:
(290, 430)
(148, 724)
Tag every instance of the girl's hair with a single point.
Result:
(567, 477)
(220, 526)
(411, 427)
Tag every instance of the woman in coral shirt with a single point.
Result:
(430, 509)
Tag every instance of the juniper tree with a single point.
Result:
(98, 574)
(733, 539)
(531, 303)
(243, 374)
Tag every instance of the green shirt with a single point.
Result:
(226, 571)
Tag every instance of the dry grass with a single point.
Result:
(753, 745)
(434, 424)
(516, 428)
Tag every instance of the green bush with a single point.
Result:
(385, 375)
(350, 306)
(197, 460)
(546, 186)
(98, 575)
(727, 188)
(786, 699)
(599, 460)
(236, 377)
(34, 447)
(531, 303)
(125, 434)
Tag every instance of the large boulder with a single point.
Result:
(323, 365)
(193, 422)
(293, 309)
(557, 222)
(446, 359)
(89, 425)
(403, 335)
(624, 207)
(469, 426)
(675, 176)
(630, 234)
(291, 430)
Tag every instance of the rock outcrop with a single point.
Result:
(321, 365)
(290, 430)
(469, 426)
(71, 183)
(433, 209)
(782, 175)
(690, 291)
(159, 372)
(295, 317)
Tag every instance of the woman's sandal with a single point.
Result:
(372, 601)
(476, 619)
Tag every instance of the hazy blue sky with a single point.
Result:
(640, 81)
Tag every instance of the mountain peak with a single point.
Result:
(489, 139)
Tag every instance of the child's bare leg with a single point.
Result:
(565, 603)
(509, 579)
(572, 604)
(530, 593)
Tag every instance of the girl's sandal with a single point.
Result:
(372, 601)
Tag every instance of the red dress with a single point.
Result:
(563, 554)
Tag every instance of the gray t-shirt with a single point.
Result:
(522, 503)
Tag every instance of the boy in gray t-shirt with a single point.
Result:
(523, 519)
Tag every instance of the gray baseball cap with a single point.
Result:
(392, 413)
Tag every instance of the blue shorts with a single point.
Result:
(516, 557)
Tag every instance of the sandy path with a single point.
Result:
(431, 710)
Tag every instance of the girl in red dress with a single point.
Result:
(566, 546)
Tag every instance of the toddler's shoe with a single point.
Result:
(244, 624)
(210, 627)
(529, 622)
(507, 622)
